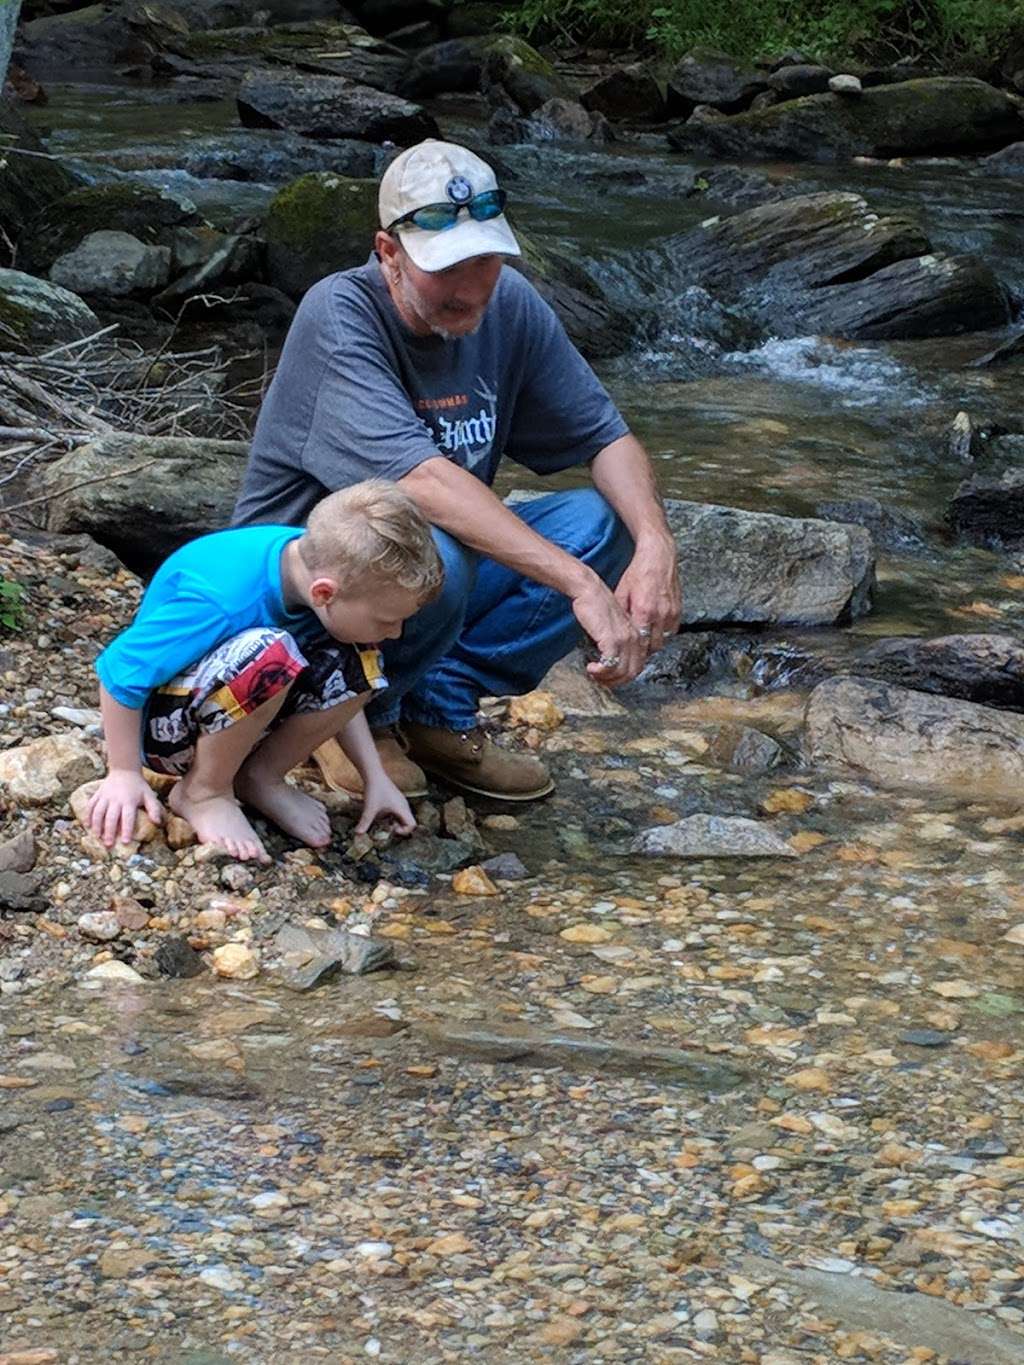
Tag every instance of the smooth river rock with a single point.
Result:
(898, 737)
(712, 836)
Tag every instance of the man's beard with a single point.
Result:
(414, 301)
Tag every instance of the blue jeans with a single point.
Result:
(493, 632)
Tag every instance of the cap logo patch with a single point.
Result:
(459, 190)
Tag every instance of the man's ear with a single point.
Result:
(323, 591)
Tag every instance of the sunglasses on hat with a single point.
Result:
(440, 217)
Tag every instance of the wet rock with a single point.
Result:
(177, 958)
(575, 692)
(745, 750)
(19, 893)
(988, 509)
(148, 214)
(964, 442)
(329, 107)
(557, 120)
(704, 76)
(46, 769)
(628, 93)
(29, 183)
(596, 327)
(473, 881)
(1007, 161)
(748, 566)
(170, 490)
(18, 854)
(224, 260)
(318, 224)
(925, 1037)
(39, 313)
(312, 956)
(529, 1047)
(113, 264)
(792, 82)
(941, 115)
(985, 669)
(1006, 350)
(431, 854)
(505, 867)
(898, 737)
(742, 187)
(828, 263)
(711, 836)
(457, 820)
(893, 532)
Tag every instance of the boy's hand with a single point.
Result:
(382, 797)
(113, 804)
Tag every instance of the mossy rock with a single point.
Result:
(36, 313)
(28, 184)
(938, 115)
(513, 66)
(517, 52)
(139, 210)
(315, 35)
(318, 224)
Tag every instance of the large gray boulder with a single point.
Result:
(329, 107)
(828, 262)
(114, 265)
(905, 738)
(34, 312)
(158, 493)
(143, 211)
(937, 115)
(737, 566)
(741, 566)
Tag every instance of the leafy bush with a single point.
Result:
(12, 604)
(936, 31)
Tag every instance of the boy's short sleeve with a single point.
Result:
(563, 415)
(160, 644)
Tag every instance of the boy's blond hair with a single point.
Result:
(374, 532)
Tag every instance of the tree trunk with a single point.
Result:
(8, 23)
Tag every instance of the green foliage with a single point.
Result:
(948, 31)
(12, 604)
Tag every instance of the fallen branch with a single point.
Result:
(82, 483)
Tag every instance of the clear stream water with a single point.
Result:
(777, 428)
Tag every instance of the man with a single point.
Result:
(425, 366)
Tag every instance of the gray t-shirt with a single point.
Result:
(358, 396)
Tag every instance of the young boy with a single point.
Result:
(243, 658)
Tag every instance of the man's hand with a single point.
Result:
(649, 593)
(382, 797)
(113, 804)
(614, 635)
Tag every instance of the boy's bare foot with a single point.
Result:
(292, 810)
(218, 820)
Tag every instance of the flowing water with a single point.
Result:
(230, 1136)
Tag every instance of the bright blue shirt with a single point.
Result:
(206, 592)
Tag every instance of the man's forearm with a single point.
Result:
(623, 474)
(460, 504)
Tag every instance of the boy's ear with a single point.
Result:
(323, 591)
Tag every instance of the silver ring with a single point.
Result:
(644, 632)
(609, 661)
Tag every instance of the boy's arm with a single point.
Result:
(113, 804)
(380, 795)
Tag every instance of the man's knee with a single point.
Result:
(460, 565)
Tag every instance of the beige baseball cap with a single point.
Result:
(436, 172)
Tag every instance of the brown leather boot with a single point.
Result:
(468, 759)
(341, 775)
